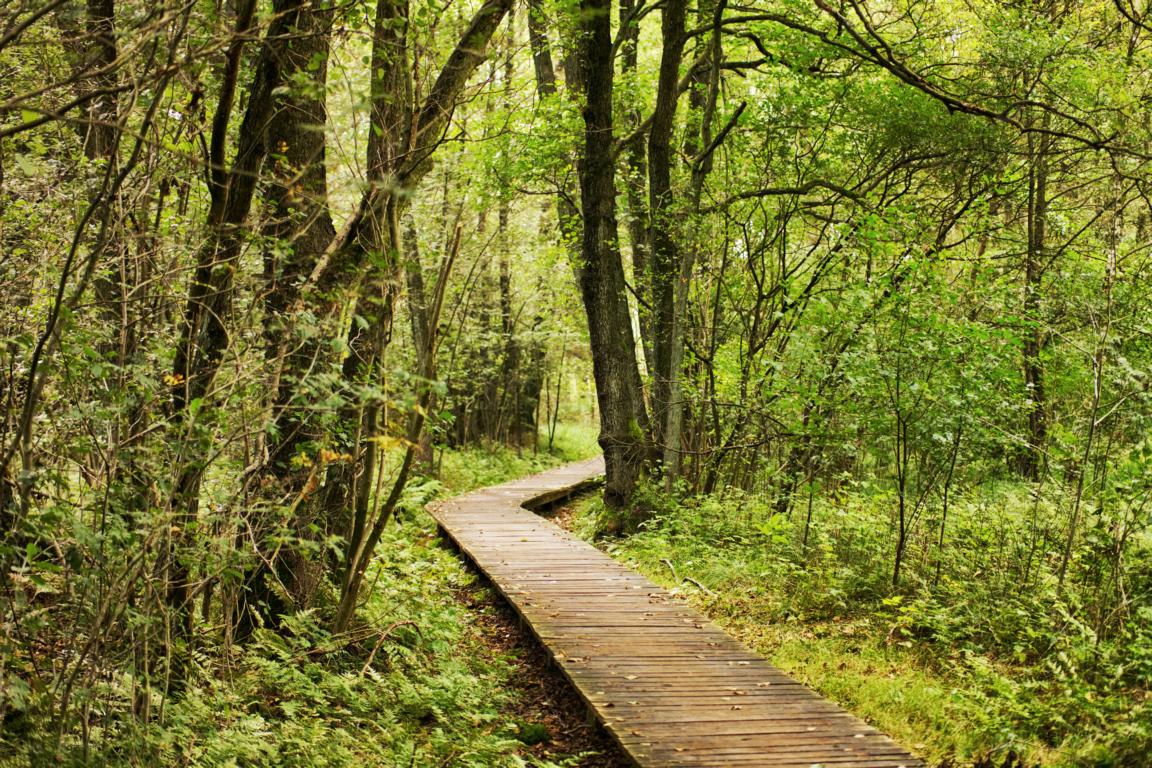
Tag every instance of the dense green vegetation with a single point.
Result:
(857, 292)
(978, 654)
(414, 685)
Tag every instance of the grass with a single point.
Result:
(904, 694)
(960, 669)
(475, 467)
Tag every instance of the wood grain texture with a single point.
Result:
(667, 684)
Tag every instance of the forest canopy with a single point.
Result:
(853, 294)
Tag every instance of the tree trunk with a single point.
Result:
(418, 320)
(1033, 461)
(510, 427)
(624, 424)
(401, 145)
(204, 335)
(567, 209)
(635, 185)
(666, 256)
(300, 226)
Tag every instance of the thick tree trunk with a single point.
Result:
(204, 336)
(541, 51)
(624, 424)
(300, 226)
(348, 499)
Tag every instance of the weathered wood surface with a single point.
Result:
(670, 687)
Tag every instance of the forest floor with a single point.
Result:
(444, 675)
(909, 662)
(551, 720)
(544, 702)
(539, 708)
(457, 681)
(872, 681)
(518, 706)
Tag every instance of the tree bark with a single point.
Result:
(635, 187)
(402, 142)
(204, 336)
(665, 249)
(1033, 461)
(567, 208)
(624, 427)
(699, 148)
(300, 227)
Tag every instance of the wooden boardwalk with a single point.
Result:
(668, 685)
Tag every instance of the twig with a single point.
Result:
(699, 586)
(384, 636)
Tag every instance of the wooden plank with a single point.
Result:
(671, 687)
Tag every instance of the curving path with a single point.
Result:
(667, 684)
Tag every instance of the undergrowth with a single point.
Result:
(415, 685)
(977, 651)
(476, 467)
